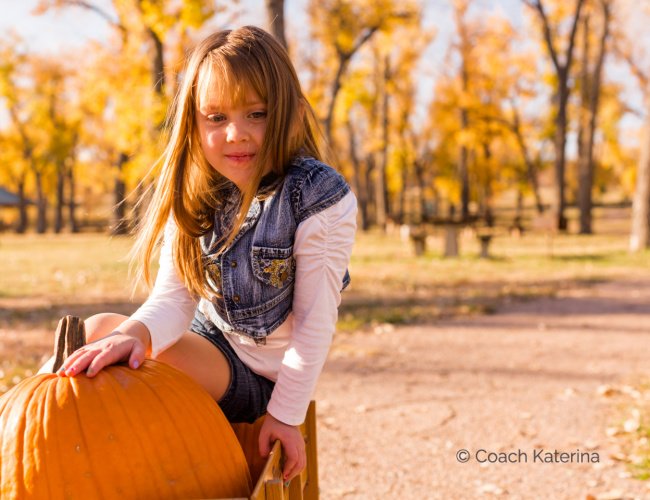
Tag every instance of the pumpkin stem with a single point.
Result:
(70, 336)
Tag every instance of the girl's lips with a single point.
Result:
(240, 157)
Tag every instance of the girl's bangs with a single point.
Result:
(222, 82)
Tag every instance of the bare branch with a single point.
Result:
(102, 13)
(548, 37)
(625, 53)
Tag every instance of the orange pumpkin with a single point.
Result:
(146, 433)
(249, 437)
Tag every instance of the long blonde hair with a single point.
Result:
(228, 64)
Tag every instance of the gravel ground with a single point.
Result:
(396, 405)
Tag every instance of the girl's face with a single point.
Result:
(232, 135)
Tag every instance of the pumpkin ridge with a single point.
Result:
(15, 444)
(75, 386)
(123, 433)
(83, 389)
(155, 378)
(35, 434)
(63, 428)
(140, 434)
(53, 469)
(4, 417)
(219, 433)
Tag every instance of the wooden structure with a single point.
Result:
(268, 481)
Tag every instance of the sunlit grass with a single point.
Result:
(389, 284)
(63, 267)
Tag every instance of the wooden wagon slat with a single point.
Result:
(270, 485)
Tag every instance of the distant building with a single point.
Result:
(8, 199)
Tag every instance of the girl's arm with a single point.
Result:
(322, 250)
(156, 325)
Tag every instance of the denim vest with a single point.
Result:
(255, 275)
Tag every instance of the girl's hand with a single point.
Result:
(292, 441)
(114, 348)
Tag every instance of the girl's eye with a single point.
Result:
(216, 117)
(258, 115)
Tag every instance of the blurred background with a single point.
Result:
(493, 113)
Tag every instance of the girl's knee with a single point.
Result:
(102, 324)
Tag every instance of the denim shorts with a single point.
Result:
(248, 394)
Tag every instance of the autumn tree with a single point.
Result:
(464, 46)
(595, 17)
(550, 23)
(141, 30)
(506, 77)
(343, 27)
(18, 146)
(275, 19)
(374, 82)
(630, 46)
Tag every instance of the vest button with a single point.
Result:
(233, 263)
(235, 298)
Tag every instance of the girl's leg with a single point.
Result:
(192, 354)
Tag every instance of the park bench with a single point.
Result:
(452, 227)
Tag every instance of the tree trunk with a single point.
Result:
(586, 165)
(60, 197)
(465, 50)
(359, 186)
(41, 204)
(23, 220)
(531, 169)
(275, 20)
(157, 63)
(463, 175)
(561, 97)
(488, 214)
(402, 211)
(419, 179)
(72, 205)
(559, 143)
(380, 182)
(379, 163)
(370, 182)
(119, 224)
(344, 60)
(640, 234)
(584, 175)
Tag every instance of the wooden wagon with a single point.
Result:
(267, 474)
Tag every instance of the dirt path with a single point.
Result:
(395, 406)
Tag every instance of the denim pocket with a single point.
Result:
(273, 266)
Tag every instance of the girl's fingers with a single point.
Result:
(108, 356)
(137, 355)
(75, 363)
(264, 443)
(103, 358)
(93, 357)
(296, 461)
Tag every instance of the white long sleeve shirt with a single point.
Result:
(295, 352)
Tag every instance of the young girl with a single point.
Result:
(256, 237)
